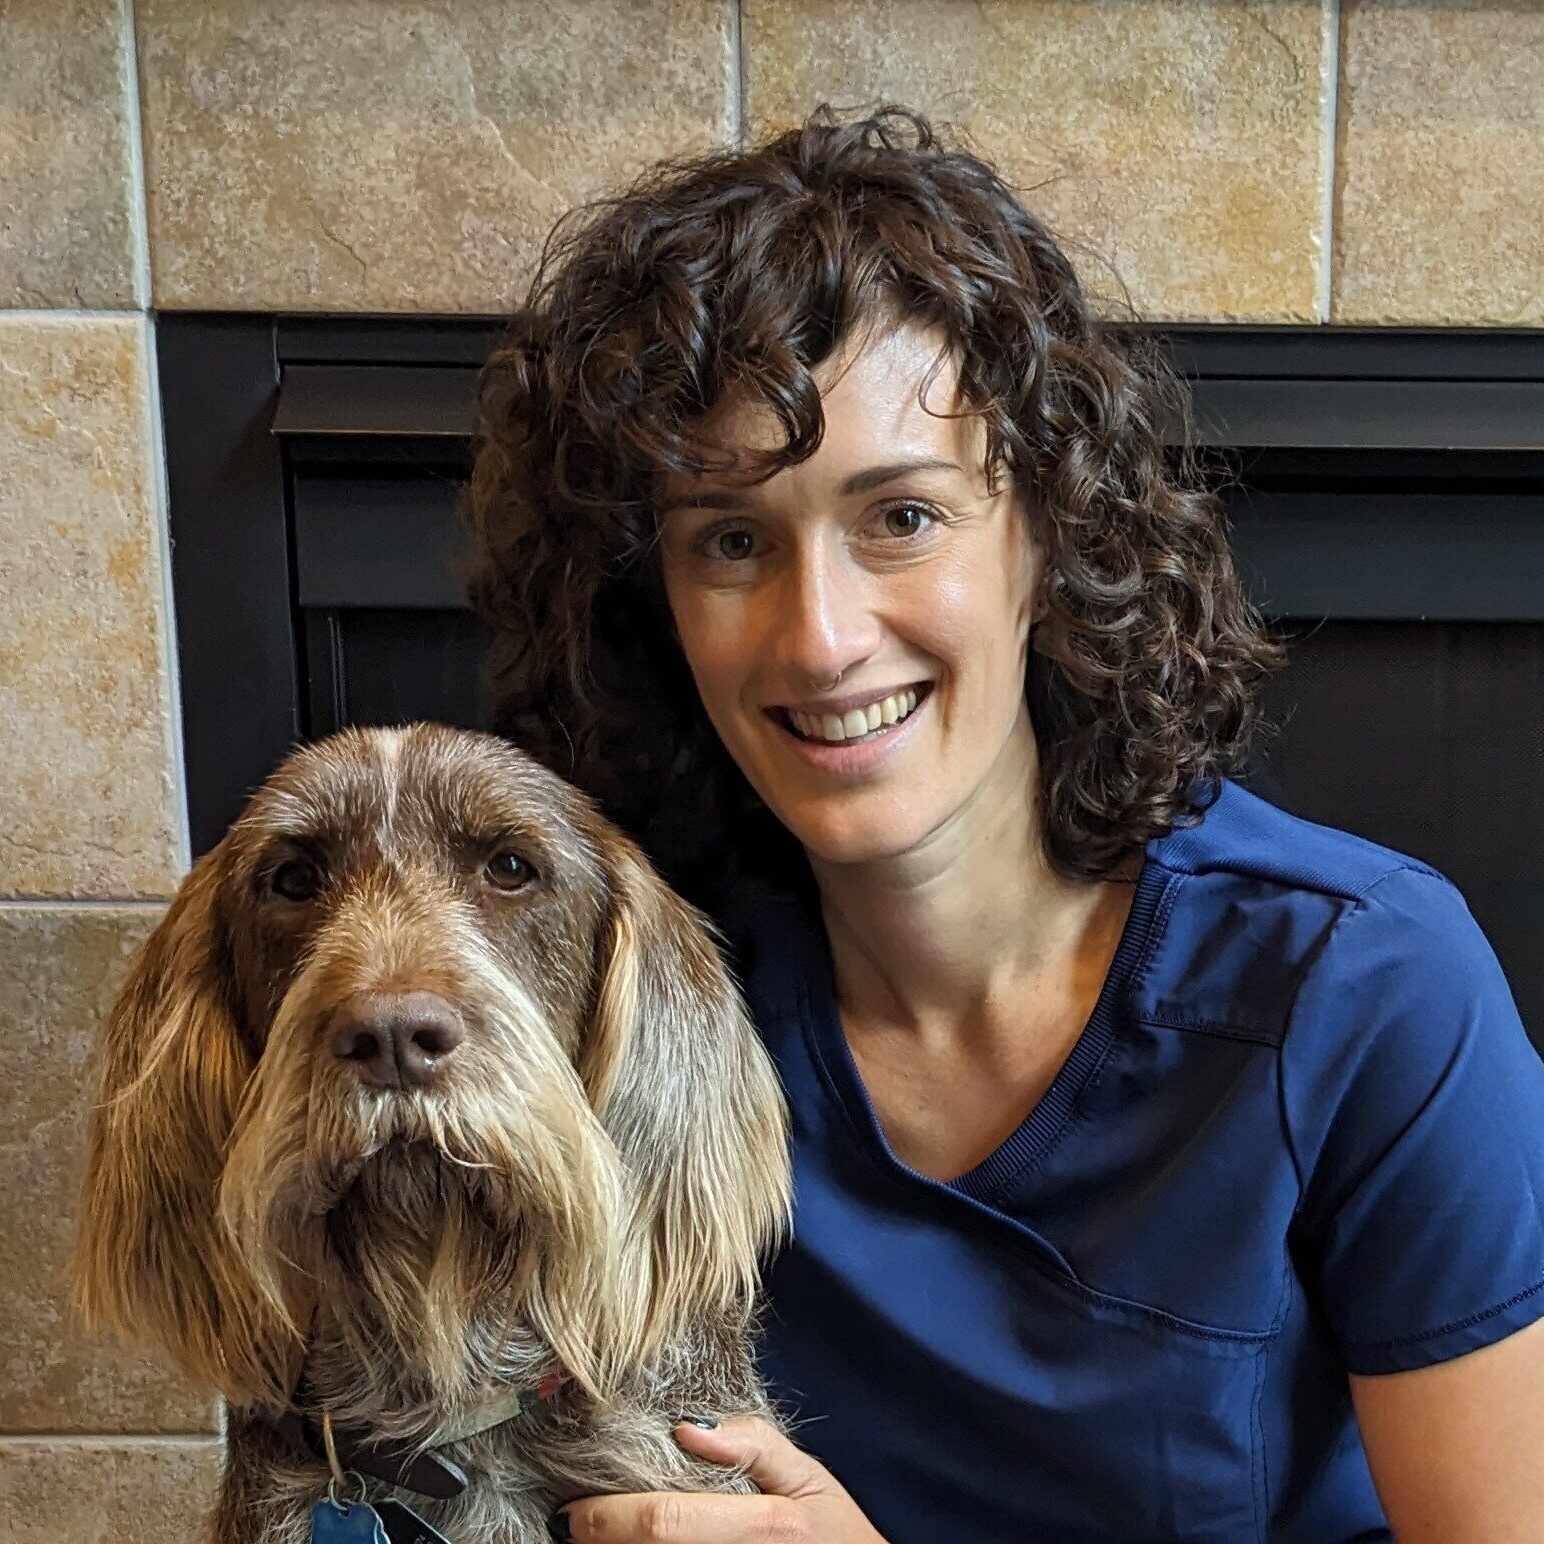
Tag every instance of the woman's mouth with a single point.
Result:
(859, 724)
(857, 741)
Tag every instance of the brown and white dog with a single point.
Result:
(429, 1107)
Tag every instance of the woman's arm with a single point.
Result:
(1457, 1448)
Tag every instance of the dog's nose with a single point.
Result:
(395, 1039)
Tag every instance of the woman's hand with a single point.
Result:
(800, 1500)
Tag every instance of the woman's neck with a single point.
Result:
(952, 939)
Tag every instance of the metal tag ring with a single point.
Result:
(332, 1490)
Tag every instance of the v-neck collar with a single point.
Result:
(1034, 1135)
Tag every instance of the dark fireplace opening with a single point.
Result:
(1385, 492)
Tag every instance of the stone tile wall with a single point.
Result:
(1371, 161)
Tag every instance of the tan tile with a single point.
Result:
(1182, 139)
(66, 185)
(1440, 167)
(87, 801)
(106, 1492)
(341, 154)
(59, 969)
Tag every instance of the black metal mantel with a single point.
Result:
(1383, 487)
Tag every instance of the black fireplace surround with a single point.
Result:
(1384, 489)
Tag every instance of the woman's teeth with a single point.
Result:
(836, 727)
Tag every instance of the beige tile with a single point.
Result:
(66, 185)
(344, 154)
(106, 1492)
(1182, 139)
(59, 969)
(87, 800)
(1440, 167)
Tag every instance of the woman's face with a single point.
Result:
(887, 582)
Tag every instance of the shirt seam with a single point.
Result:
(1259, 1449)
(1448, 1329)
(1356, 904)
(1221, 1029)
(1283, 1109)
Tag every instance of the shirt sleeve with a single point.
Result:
(1414, 1103)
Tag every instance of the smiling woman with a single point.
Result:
(720, 297)
(828, 539)
(852, 579)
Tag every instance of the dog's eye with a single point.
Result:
(509, 871)
(296, 880)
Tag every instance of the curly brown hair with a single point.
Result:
(743, 270)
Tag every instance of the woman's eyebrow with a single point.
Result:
(860, 482)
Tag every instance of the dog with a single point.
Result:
(433, 1135)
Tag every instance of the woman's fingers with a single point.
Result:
(801, 1499)
(776, 1466)
(669, 1517)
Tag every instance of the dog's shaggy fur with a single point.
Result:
(588, 1181)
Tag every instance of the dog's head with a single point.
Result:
(422, 1033)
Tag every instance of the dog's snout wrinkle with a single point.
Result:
(395, 1039)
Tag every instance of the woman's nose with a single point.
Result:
(823, 622)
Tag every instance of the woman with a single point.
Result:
(1168, 1168)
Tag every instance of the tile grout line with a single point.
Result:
(140, 211)
(172, 732)
(97, 1439)
(69, 313)
(737, 91)
(1329, 137)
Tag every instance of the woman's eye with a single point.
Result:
(509, 871)
(731, 543)
(296, 880)
(907, 527)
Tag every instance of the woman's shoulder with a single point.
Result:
(1405, 1088)
(1260, 911)
(1331, 945)
(1244, 834)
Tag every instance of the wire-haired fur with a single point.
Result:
(586, 1169)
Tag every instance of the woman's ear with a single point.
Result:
(1034, 577)
(151, 1259)
(687, 1092)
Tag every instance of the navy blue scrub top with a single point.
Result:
(1303, 1132)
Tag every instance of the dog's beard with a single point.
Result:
(422, 1287)
(428, 1230)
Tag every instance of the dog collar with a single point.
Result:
(405, 1463)
(505, 1408)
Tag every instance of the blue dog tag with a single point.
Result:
(346, 1522)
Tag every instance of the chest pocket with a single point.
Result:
(961, 1384)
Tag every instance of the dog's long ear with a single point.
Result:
(151, 1259)
(688, 1093)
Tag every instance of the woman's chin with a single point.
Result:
(847, 842)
